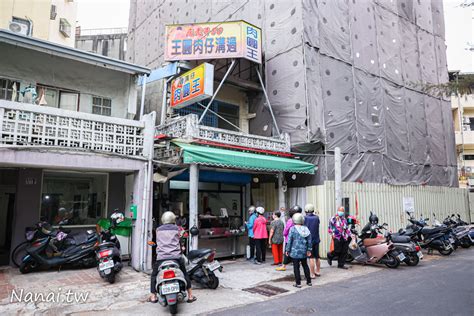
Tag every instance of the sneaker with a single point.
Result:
(281, 269)
(329, 259)
(343, 267)
(297, 285)
(257, 262)
(309, 284)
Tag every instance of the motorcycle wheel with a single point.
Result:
(446, 252)
(413, 260)
(110, 277)
(19, 253)
(465, 242)
(213, 282)
(28, 266)
(349, 258)
(173, 309)
(392, 262)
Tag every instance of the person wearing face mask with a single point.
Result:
(341, 234)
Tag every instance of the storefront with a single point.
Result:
(210, 189)
(221, 199)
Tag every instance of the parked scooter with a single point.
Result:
(405, 245)
(437, 238)
(60, 249)
(108, 252)
(460, 230)
(367, 249)
(170, 285)
(200, 265)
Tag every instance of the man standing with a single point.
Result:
(312, 222)
(252, 217)
(340, 232)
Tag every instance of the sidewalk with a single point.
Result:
(128, 295)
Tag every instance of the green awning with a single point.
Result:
(218, 157)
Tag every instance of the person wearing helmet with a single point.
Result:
(249, 224)
(312, 222)
(260, 235)
(299, 248)
(289, 223)
(168, 247)
(340, 233)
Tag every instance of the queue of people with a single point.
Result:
(296, 240)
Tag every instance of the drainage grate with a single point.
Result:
(300, 310)
(266, 290)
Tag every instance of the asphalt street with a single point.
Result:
(437, 287)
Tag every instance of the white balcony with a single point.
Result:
(187, 128)
(28, 125)
(468, 138)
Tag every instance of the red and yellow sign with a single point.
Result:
(237, 39)
(193, 86)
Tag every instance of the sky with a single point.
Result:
(459, 26)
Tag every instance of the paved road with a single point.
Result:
(438, 287)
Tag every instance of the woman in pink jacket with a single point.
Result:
(260, 234)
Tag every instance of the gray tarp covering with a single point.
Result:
(344, 73)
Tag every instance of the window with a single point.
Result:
(65, 27)
(101, 106)
(471, 123)
(9, 89)
(228, 113)
(468, 157)
(73, 198)
(58, 97)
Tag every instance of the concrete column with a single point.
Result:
(193, 203)
(337, 177)
(281, 194)
(137, 230)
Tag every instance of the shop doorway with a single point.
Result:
(7, 207)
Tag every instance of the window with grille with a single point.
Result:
(9, 89)
(65, 27)
(101, 106)
(229, 114)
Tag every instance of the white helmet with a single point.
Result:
(260, 210)
(298, 219)
(117, 217)
(251, 209)
(309, 208)
(168, 218)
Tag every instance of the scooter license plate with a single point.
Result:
(214, 265)
(170, 288)
(106, 265)
(401, 257)
(419, 254)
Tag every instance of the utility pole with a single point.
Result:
(337, 177)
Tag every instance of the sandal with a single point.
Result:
(194, 298)
(317, 274)
(149, 300)
(313, 276)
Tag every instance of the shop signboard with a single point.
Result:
(193, 86)
(237, 39)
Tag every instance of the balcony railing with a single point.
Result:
(187, 127)
(467, 137)
(23, 125)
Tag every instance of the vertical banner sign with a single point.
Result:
(192, 86)
(213, 41)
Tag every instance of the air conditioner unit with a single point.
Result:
(20, 27)
(466, 128)
(468, 169)
(466, 120)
